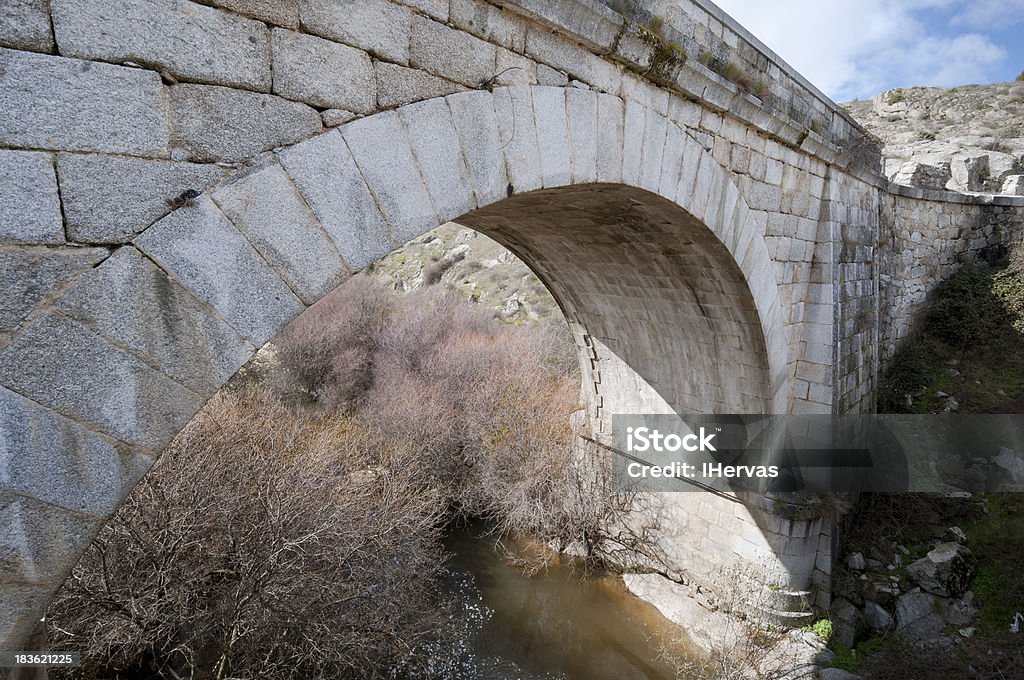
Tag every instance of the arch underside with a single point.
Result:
(661, 312)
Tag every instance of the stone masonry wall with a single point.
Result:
(924, 237)
(182, 178)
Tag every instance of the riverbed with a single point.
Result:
(559, 624)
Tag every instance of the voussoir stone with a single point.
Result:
(110, 199)
(330, 182)
(29, 204)
(398, 85)
(51, 458)
(133, 303)
(188, 41)
(451, 53)
(51, 102)
(323, 73)
(68, 367)
(25, 25)
(29, 275)
(224, 124)
(269, 210)
(377, 26)
(477, 125)
(207, 253)
(23, 605)
(435, 144)
(386, 162)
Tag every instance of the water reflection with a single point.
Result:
(555, 625)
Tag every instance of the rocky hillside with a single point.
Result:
(478, 267)
(968, 138)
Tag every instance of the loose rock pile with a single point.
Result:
(966, 139)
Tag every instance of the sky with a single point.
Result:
(857, 48)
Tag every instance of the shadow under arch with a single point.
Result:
(676, 306)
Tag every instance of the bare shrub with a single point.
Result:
(263, 544)
(331, 347)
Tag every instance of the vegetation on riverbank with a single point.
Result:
(966, 356)
(299, 535)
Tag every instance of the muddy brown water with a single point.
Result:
(557, 624)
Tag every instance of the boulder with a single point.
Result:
(856, 561)
(969, 171)
(1013, 185)
(876, 617)
(945, 570)
(1011, 463)
(837, 674)
(925, 176)
(847, 622)
(1001, 166)
(918, 616)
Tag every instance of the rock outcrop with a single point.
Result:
(966, 139)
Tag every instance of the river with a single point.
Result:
(555, 625)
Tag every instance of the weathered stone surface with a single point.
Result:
(477, 125)
(969, 172)
(30, 275)
(25, 25)
(1010, 462)
(437, 9)
(847, 622)
(837, 674)
(327, 177)
(323, 73)
(23, 605)
(279, 12)
(486, 21)
(513, 107)
(191, 42)
(40, 542)
(268, 209)
(56, 103)
(514, 69)
(435, 144)
(581, 106)
(336, 117)
(917, 174)
(1013, 185)
(56, 460)
(385, 160)
(224, 124)
(61, 364)
(397, 85)
(110, 199)
(377, 26)
(555, 51)
(132, 303)
(450, 53)
(876, 617)
(199, 246)
(946, 570)
(552, 135)
(551, 77)
(29, 204)
(918, 616)
(610, 140)
(591, 23)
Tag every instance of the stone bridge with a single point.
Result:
(181, 179)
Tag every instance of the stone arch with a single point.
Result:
(102, 378)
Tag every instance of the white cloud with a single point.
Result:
(982, 14)
(857, 48)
